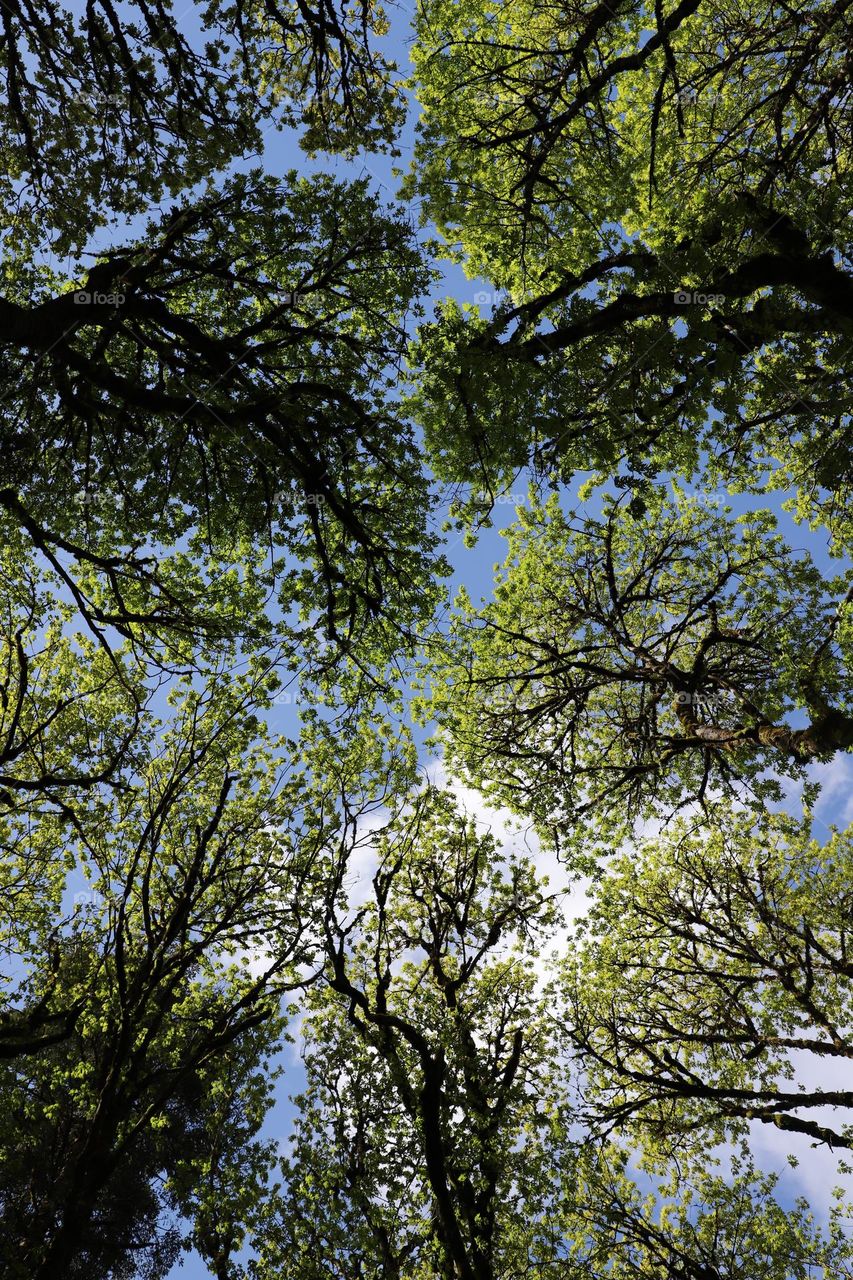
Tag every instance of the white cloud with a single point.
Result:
(836, 797)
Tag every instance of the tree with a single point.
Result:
(640, 659)
(661, 193)
(429, 1014)
(177, 384)
(234, 408)
(107, 111)
(131, 1227)
(138, 1020)
(134, 1038)
(712, 983)
(438, 1133)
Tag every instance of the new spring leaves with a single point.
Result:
(240, 446)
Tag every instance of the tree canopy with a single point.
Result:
(660, 195)
(635, 662)
(276, 989)
(440, 1136)
(732, 948)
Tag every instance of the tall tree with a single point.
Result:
(640, 659)
(107, 110)
(229, 405)
(438, 1134)
(131, 1013)
(209, 482)
(712, 986)
(661, 192)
